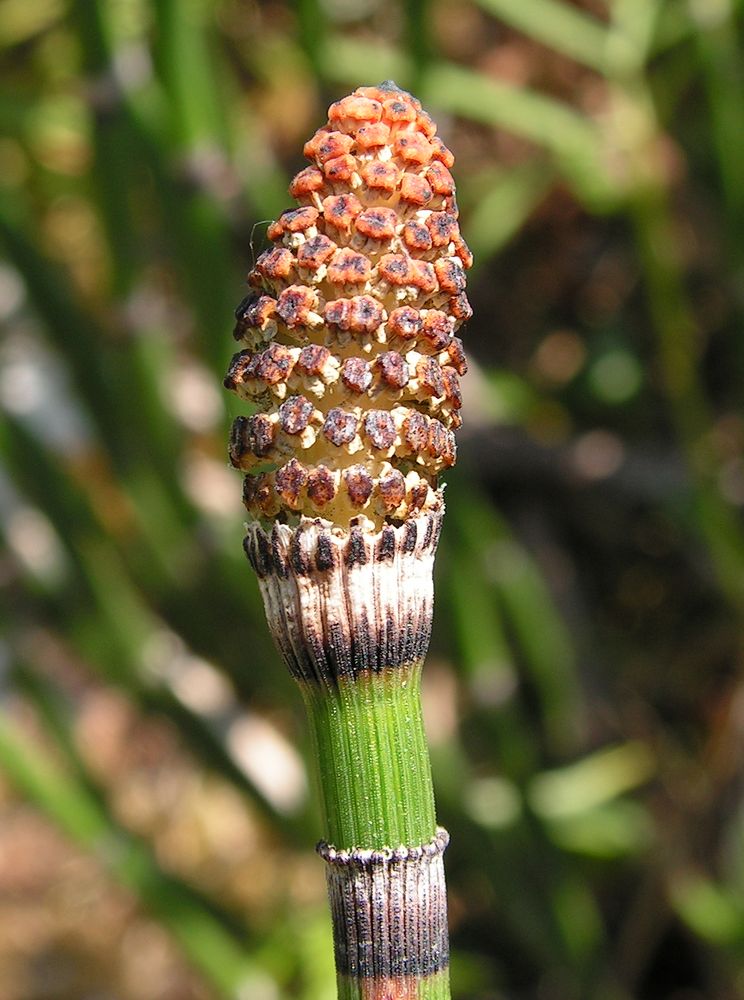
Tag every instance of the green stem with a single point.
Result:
(373, 762)
(351, 613)
(376, 792)
(435, 987)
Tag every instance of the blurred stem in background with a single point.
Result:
(660, 247)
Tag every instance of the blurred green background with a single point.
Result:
(583, 692)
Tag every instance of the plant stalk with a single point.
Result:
(358, 398)
(351, 613)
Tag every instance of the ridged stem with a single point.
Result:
(351, 613)
(374, 774)
(436, 987)
(373, 763)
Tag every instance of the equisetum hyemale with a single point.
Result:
(352, 367)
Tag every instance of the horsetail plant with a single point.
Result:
(353, 367)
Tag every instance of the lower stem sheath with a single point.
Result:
(352, 614)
